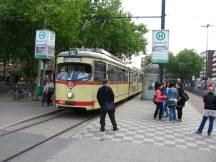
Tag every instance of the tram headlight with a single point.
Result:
(70, 95)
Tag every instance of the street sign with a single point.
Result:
(160, 46)
(45, 44)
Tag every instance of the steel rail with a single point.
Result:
(47, 139)
(30, 124)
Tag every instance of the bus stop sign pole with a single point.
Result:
(162, 28)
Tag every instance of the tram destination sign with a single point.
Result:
(160, 46)
(44, 44)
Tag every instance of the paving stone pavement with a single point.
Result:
(136, 125)
(86, 150)
(141, 138)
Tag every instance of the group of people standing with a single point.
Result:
(169, 96)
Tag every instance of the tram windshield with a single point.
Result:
(74, 72)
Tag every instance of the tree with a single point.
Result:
(73, 24)
(119, 36)
(185, 64)
(189, 63)
(171, 67)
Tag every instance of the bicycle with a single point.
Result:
(21, 94)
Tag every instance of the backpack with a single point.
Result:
(185, 96)
(154, 99)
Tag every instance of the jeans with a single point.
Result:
(172, 114)
(165, 107)
(202, 124)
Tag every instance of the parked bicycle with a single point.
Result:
(21, 93)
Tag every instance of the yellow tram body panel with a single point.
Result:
(83, 94)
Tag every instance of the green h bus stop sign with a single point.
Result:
(160, 46)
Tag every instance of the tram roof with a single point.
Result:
(94, 53)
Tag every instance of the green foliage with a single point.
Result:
(148, 60)
(185, 64)
(172, 67)
(19, 19)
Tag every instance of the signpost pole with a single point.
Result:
(38, 86)
(44, 50)
(162, 28)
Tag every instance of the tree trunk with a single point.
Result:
(4, 65)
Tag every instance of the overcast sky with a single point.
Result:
(184, 20)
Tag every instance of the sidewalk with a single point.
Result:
(140, 138)
(13, 111)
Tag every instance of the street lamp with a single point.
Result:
(206, 26)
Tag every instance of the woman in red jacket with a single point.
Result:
(159, 102)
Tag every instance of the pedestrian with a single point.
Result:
(209, 111)
(105, 96)
(181, 101)
(159, 102)
(178, 80)
(172, 96)
(44, 96)
(164, 91)
(48, 92)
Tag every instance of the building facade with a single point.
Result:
(209, 66)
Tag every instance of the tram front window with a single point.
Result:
(73, 72)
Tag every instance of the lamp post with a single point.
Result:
(206, 26)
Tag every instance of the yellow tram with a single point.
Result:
(80, 73)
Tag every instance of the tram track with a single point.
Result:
(56, 125)
(20, 125)
(67, 128)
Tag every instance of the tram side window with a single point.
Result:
(116, 74)
(134, 77)
(140, 78)
(100, 71)
(131, 77)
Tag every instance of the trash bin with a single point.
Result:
(38, 90)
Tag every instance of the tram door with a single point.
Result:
(133, 83)
(137, 82)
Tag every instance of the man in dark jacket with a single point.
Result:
(106, 95)
(209, 111)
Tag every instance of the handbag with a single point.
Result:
(185, 96)
(50, 91)
(154, 99)
(109, 107)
